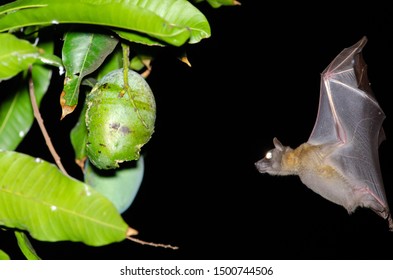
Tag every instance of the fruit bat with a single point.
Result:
(340, 160)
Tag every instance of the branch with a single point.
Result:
(152, 244)
(40, 121)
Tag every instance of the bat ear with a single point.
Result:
(277, 144)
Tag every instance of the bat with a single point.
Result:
(340, 160)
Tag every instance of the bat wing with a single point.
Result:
(350, 117)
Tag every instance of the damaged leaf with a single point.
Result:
(82, 54)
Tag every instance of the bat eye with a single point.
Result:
(269, 155)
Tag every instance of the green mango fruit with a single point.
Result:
(119, 121)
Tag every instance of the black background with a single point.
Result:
(257, 77)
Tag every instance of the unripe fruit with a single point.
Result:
(119, 122)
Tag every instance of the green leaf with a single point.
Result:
(16, 113)
(35, 196)
(25, 246)
(16, 55)
(119, 185)
(151, 22)
(51, 59)
(78, 138)
(83, 53)
(4, 255)
(113, 62)
(138, 62)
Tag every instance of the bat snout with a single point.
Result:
(262, 165)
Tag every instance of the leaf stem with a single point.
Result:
(40, 121)
(126, 64)
(126, 86)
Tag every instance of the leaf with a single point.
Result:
(35, 196)
(25, 246)
(16, 113)
(113, 62)
(51, 59)
(151, 22)
(16, 55)
(119, 185)
(4, 255)
(83, 53)
(140, 61)
(78, 138)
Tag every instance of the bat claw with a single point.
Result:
(390, 221)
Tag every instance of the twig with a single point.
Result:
(152, 244)
(40, 121)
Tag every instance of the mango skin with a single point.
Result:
(118, 125)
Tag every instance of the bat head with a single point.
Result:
(271, 163)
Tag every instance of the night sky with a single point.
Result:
(256, 78)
